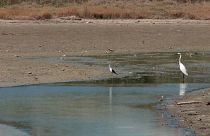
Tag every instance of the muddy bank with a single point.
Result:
(21, 39)
(192, 111)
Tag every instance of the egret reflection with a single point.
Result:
(110, 95)
(110, 99)
(182, 88)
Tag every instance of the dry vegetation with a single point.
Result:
(104, 9)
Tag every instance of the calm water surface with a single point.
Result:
(55, 110)
(121, 105)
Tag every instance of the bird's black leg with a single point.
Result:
(183, 78)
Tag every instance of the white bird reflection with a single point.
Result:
(110, 99)
(182, 88)
(110, 95)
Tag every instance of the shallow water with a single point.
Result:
(155, 67)
(146, 67)
(55, 110)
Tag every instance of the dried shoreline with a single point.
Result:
(192, 111)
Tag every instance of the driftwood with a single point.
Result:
(188, 102)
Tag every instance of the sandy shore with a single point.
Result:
(22, 39)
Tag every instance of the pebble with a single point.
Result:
(29, 73)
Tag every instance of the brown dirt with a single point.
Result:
(20, 39)
(194, 115)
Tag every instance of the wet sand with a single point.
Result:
(22, 39)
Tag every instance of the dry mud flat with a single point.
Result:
(20, 39)
(193, 111)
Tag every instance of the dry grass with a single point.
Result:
(102, 12)
(191, 11)
(24, 13)
(158, 10)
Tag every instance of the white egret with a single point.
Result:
(112, 70)
(182, 67)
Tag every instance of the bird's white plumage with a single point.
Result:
(181, 66)
(183, 69)
(110, 69)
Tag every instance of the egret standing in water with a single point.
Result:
(112, 70)
(182, 67)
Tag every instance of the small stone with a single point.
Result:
(29, 73)
(110, 49)
(17, 56)
(89, 22)
(208, 103)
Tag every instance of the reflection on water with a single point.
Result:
(55, 110)
(110, 95)
(182, 87)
